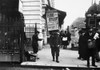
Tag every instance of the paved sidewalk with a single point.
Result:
(68, 58)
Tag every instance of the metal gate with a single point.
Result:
(11, 36)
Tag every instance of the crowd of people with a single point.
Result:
(88, 44)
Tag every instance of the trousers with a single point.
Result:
(55, 52)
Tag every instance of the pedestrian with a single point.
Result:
(82, 45)
(66, 39)
(61, 35)
(91, 48)
(55, 42)
(69, 37)
(35, 40)
(97, 37)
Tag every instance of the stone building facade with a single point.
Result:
(33, 11)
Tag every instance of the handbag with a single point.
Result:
(91, 44)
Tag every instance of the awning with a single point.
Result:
(61, 14)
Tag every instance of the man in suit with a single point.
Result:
(35, 42)
(55, 42)
(91, 48)
(35, 46)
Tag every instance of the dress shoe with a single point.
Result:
(57, 61)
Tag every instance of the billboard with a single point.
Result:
(52, 20)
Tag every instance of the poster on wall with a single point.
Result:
(52, 20)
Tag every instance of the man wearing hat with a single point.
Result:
(91, 48)
(55, 42)
(35, 40)
(82, 44)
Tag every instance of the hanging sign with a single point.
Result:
(52, 20)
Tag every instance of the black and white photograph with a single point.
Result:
(49, 34)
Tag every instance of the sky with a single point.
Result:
(73, 8)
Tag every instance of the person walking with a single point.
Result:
(91, 48)
(66, 39)
(82, 45)
(55, 42)
(97, 37)
(61, 35)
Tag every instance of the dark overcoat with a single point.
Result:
(55, 40)
(35, 43)
(89, 51)
(82, 46)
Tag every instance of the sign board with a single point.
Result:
(52, 20)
